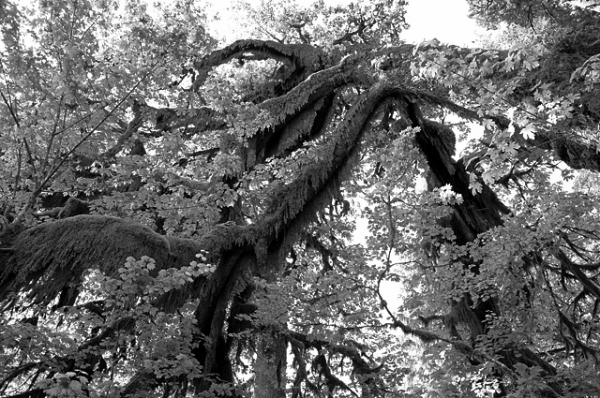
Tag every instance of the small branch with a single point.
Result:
(132, 127)
(18, 371)
(30, 156)
(10, 109)
(587, 283)
(57, 167)
(52, 135)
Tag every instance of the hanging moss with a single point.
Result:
(49, 257)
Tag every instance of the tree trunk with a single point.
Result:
(476, 214)
(270, 367)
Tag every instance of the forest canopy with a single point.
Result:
(316, 210)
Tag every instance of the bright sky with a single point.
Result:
(445, 20)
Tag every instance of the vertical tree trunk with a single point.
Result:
(477, 213)
(270, 367)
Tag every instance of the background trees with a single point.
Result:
(238, 175)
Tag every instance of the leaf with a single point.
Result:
(528, 132)
(474, 184)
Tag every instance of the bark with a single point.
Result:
(301, 111)
(270, 367)
(303, 59)
(475, 215)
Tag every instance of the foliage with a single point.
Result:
(288, 215)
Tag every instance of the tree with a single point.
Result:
(220, 257)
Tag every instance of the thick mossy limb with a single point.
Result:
(61, 251)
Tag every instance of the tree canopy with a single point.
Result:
(316, 210)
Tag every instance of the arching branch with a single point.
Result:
(301, 57)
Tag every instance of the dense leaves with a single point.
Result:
(316, 210)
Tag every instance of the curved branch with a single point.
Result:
(299, 55)
(132, 127)
(202, 119)
(586, 282)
